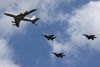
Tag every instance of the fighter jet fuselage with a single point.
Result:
(49, 37)
(92, 37)
(59, 55)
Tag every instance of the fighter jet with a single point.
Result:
(58, 54)
(19, 17)
(33, 19)
(92, 37)
(49, 37)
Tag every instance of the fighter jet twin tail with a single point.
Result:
(21, 16)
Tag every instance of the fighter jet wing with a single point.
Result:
(93, 35)
(48, 38)
(61, 53)
(51, 35)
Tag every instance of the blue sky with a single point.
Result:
(66, 19)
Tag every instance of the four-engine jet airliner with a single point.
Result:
(19, 17)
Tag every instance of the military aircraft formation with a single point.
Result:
(21, 17)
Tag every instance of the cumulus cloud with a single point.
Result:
(86, 20)
(46, 10)
(6, 55)
(7, 30)
(83, 20)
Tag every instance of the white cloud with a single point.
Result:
(6, 54)
(58, 47)
(7, 30)
(5, 3)
(45, 9)
(48, 11)
(85, 19)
